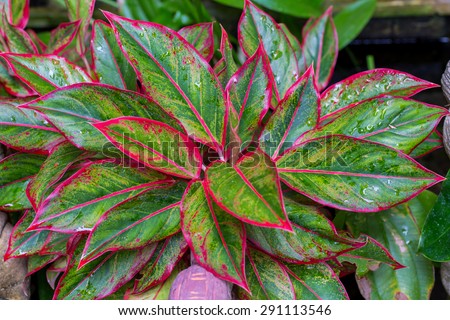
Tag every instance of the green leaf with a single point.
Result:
(77, 203)
(314, 238)
(295, 43)
(296, 114)
(73, 110)
(18, 12)
(400, 123)
(369, 257)
(320, 47)
(254, 181)
(431, 143)
(315, 282)
(17, 40)
(176, 76)
(255, 27)
(26, 130)
(162, 264)
(149, 217)
(36, 262)
(45, 73)
(398, 229)
(249, 92)
(217, 239)
(370, 84)
(267, 279)
(22, 243)
(226, 66)
(53, 168)
(201, 36)
(81, 10)
(13, 85)
(102, 277)
(351, 174)
(435, 239)
(154, 144)
(110, 64)
(352, 19)
(62, 36)
(17, 170)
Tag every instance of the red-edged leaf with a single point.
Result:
(55, 270)
(26, 130)
(400, 123)
(41, 46)
(13, 85)
(201, 36)
(81, 10)
(255, 27)
(154, 144)
(151, 216)
(226, 66)
(18, 12)
(77, 203)
(16, 172)
(314, 239)
(102, 277)
(297, 49)
(216, 238)
(432, 142)
(22, 243)
(320, 47)
(110, 64)
(249, 94)
(75, 119)
(54, 167)
(250, 190)
(62, 36)
(45, 73)
(162, 263)
(371, 84)
(164, 59)
(37, 262)
(297, 113)
(352, 174)
(16, 39)
(267, 278)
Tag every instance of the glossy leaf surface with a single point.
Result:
(250, 190)
(17, 170)
(36, 262)
(201, 36)
(255, 27)
(431, 143)
(226, 66)
(154, 144)
(12, 84)
(73, 110)
(77, 203)
(216, 238)
(151, 216)
(297, 113)
(110, 64)
(18, 12)
(435, 239)
(163, 262)
(45, 73)
(398, 229)
(17, 40)
(352, 174)
(176, 76)
(371, 84)
(62, 36)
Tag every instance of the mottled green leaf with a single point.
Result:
(110, 64)
(26, 130)
(36, 262)
(45, 73)
(62, 36)
(400, 123)
(370, 84)
(176, 76)
(297, 113)
(398, 229)
(162, 264)
(13, 85)
(217, 239)
(154, 144)
(267, 278)
(18, 11)
(16, 172)
(297, 48)
(73, 110)
(77, 203)
(201, 36)
(151, 216)
(226, 66)
(16, 39)
(255, 27)
(431, 143)
(352, 174)
(249, 190)
(81, 10)
(435, 240)
(314, 238)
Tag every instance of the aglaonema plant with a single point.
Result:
(160, 148)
